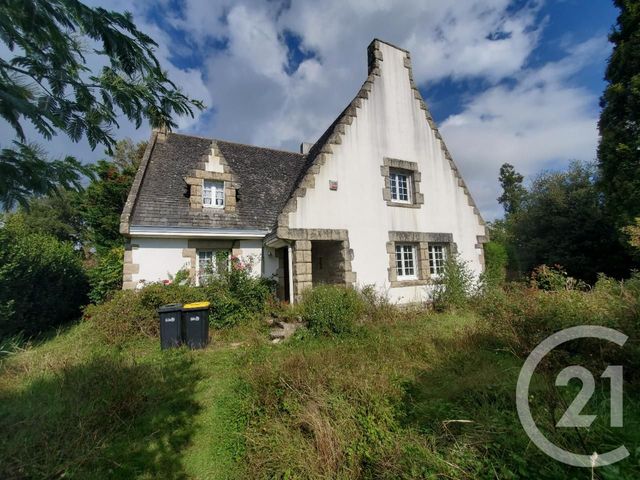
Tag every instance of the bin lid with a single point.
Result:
(196, 305)
(171, 307)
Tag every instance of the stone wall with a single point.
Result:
(129, 268)
(302, 241)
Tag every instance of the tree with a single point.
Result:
(46, 83)
(42, 281)
(512, 190)
(633, 233)
(57, 215)
(562, 221)
(104, 198)
(619, 149)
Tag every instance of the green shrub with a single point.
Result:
(453, 289)
(554, 278)
(122, 318)
(155, 295)
(106, 276)
(377, 306)
(331, 309)
(42, 282)
(235, 294)
(128, 314)
(133, 313)
(226, 309)
(495, 260)
(521, 317)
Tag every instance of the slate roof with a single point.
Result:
(266, 177)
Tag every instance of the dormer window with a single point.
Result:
(213, 194)
(400, 186)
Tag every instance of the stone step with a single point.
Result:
(277, 333)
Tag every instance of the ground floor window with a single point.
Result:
(406, 266)
(211, 263)
(437, 258)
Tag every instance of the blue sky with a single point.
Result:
(506, 81)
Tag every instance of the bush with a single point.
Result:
(331, 309)
(453, 289)
(495, 260)
(42, 282)
(130, 313)
(521, 317)
(122, 317)
(236, 294)
(554, 278)
(106, 276)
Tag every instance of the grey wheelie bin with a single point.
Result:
(195, 324)
(170, 325)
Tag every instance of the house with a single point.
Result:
(376, 200)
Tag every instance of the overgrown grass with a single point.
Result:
(407, 394)
(78, 407)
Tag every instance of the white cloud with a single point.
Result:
(256, 101)
(539, 122)
(533, 120)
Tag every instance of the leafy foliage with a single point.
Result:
(554, 279)
(522, 316)
(46, 82)
(331, 309)
(619, 149)
(58, 215)
(235, 296)
(495, 261)
(104, 198)
(562, 221)
(235, 293)
(24, 171)
(455, 286)
(633, 233)
(513, 192)
(42, 282)
(106, 276)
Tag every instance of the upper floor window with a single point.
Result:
(406, 262)
(213, 193)
(437, 258)
(400, 186)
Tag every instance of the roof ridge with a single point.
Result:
(235, 143)
(257, 146)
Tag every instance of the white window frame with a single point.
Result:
(394, 185)
(213, 253)
(213, 193)
(437, 258)
(406, 260)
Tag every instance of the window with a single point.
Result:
(213, 194)
(400, 183)
(211, 262)
(437, 257)
(406, 262)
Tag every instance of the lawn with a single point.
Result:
(418, 395)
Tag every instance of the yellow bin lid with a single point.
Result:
(195, 305)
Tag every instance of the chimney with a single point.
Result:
(162, 132)
(305, 147)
